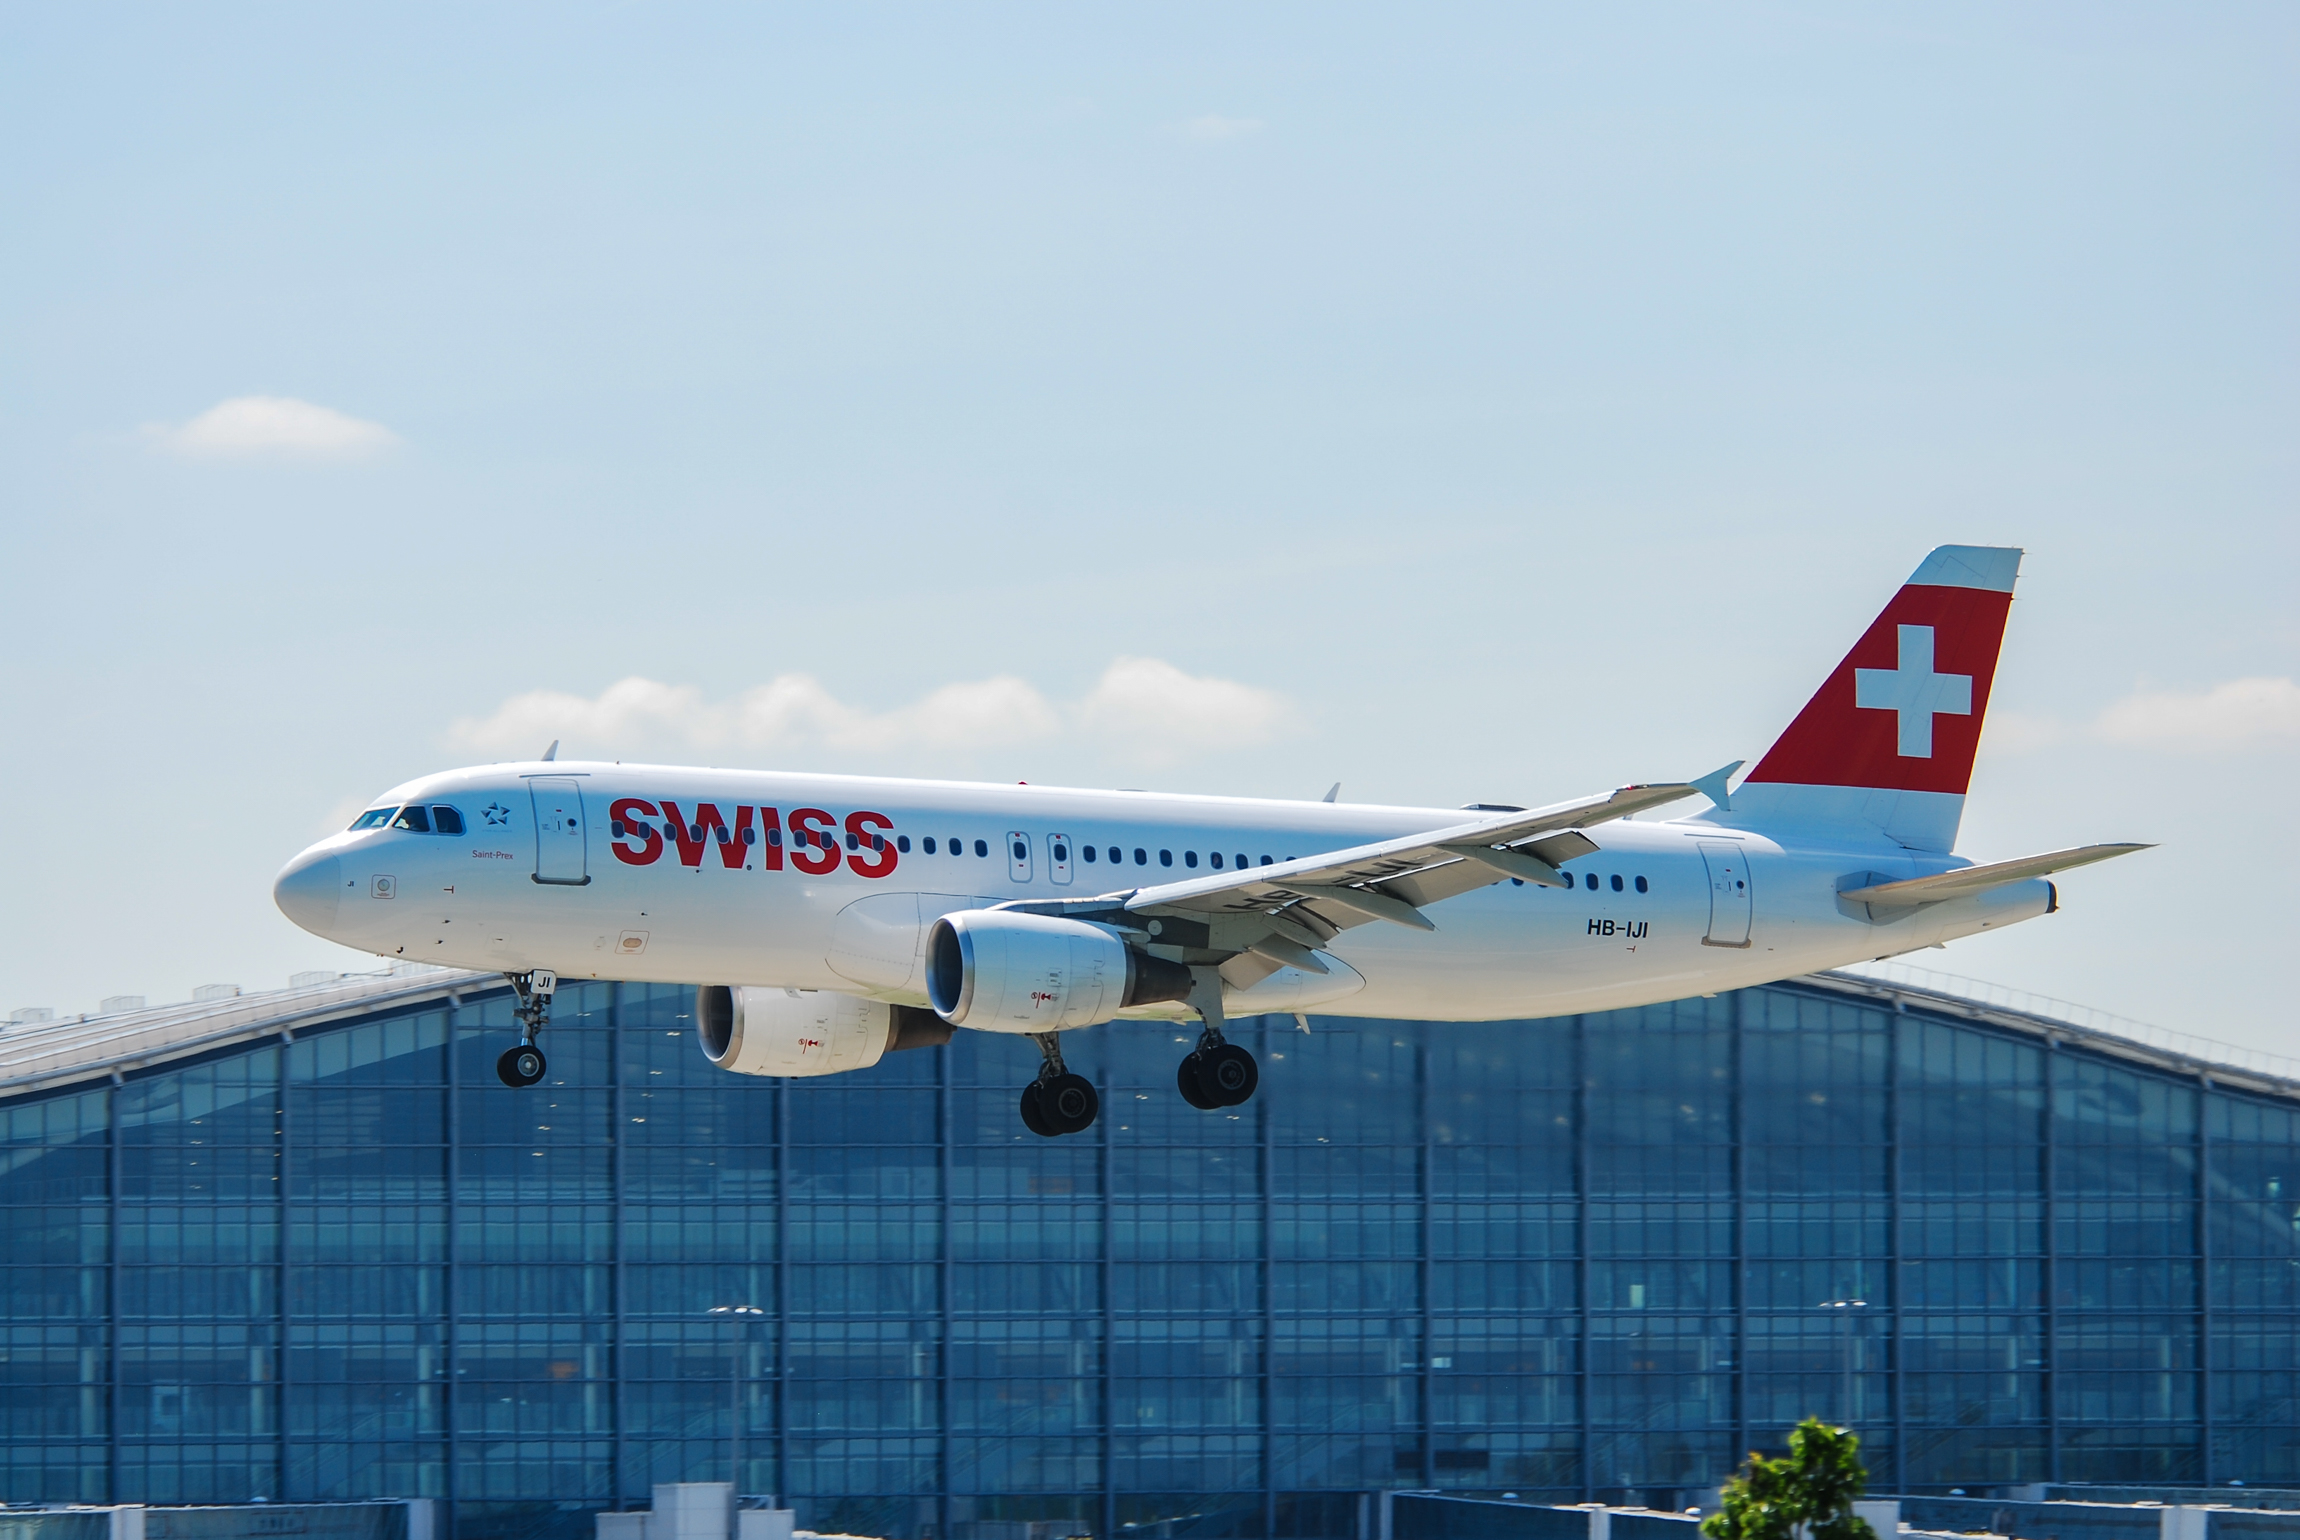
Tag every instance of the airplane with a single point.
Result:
(853, 916)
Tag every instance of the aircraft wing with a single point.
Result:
(1979, 879)
(1281, 913)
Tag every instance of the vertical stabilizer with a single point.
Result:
(1886, 745)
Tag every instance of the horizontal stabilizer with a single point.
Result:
(1979, 879)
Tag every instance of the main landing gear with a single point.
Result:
(524, 1064)
(1217, 1073)
(1057, 1102)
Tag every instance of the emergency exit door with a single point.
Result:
(560, 843)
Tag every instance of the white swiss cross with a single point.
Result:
(1914, 691)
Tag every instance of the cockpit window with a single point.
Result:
(413, 819)
(374, 818)
(445, 820)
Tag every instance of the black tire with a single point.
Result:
(1069, 1103)
(1187, 1079)
(520, 1065)
(1034, 1111)
(1230, 1075)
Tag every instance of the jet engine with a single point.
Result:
(998, 970)
(805, 1031)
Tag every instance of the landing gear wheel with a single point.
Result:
(1034, 1111)
(520, 1066)
(1189, 1079)
(1229, 1074)
(1069, 1103)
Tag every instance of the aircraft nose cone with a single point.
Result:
(307, 891)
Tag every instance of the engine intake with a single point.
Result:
(998, 970)
(805, 1032)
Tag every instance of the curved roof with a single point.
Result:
(49, 1055)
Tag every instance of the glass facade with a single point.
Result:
(1594, 1256)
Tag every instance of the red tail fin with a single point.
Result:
(1903, 711)
(1885, 746)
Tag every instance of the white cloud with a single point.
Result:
(2240, 714)
(2243, 713)
(1148, 707)
(1150, 701)
(246, 427)
(1213, 127)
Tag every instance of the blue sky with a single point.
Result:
(1495, 404)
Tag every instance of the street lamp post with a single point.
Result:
(1845, 1309)
(738, 1316)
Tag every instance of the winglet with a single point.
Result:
(552, 752)
(1712, 785)
(1332, 792)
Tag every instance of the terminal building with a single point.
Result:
(305, 1246)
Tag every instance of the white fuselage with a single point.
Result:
(1662, 922)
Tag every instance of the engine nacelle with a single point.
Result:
(998, 970)
(804, 1032)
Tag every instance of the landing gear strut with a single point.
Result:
(1057, 1102)
(524, 1064)
(1217, 1073)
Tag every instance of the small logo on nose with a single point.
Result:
(381, 886)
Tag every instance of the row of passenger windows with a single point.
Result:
(929, 845)
(438, 818)
(1092, 853)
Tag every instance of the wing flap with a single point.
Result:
(1968, 880)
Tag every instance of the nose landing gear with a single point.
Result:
(524, 1064)
(1217, 1073)
(1057, 1102)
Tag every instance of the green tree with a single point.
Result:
(1805, 1495)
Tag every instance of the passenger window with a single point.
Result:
(775, 836)
(1190, 858)
(750, 835)
(1641, 884)
(413, 819)
(1165, 858)
(982, 847)
(1242, 862)
(902, 844)
(615, 827)
(1216, 859)
(1266, 861)
(1590, 882)
(1116, 855)
(1021, 851)
(854, 840)
(1061, 851)
(373, 818)
(927, 844)
(1617, 882)
(1141, 856)
(1088, 851)
(445, 820)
